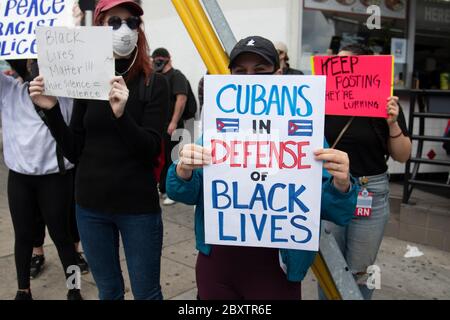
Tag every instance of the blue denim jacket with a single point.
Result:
(337, 207)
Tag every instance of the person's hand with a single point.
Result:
(118, 96)
(192, 157)
(77, 14)
(37, 89)
(393, 110)
(172, 127)
(337, 163)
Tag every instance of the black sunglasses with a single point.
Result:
(132, 22)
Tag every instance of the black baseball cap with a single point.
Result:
(161, 52)
(257, 45)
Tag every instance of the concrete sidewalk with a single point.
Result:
(426, 277)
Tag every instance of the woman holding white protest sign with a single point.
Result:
(115, 144)
(368, 141)
(225, 272)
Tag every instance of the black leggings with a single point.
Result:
(51, 196)
(39, 232)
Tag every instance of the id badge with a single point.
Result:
(364, 204)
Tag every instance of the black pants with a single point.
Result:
(169, 145)
(51, 195)
(39, 231)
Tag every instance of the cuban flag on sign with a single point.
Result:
(300, 128)
(227, 125)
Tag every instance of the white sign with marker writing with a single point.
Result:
(76, 62)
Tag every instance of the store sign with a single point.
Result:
(432, 15)
(19, 20)
(398, 50)
(263, 188)
(356, 85)
(389, 8)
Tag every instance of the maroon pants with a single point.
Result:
(243, 273)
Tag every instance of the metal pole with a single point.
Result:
(87, 6)
(220, 24)
(196, 36)
(208, 34)
(88, 18)
(412, 15)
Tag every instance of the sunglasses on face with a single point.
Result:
(132, 22)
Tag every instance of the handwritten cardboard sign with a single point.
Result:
(356, 85)
(76, 62)
(263, 188)
(19, 20)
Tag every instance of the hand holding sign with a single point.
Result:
(337, 164)
(192, 157)
(37, 89)
(118, 96)
(393, 109)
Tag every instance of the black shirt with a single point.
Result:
(116, 157)
(178, 85)
(291, 71)
(365, 142)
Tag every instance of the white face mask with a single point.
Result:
(124, 40)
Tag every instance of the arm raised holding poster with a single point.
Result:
(368, 140)
(399, 144)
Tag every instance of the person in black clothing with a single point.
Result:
(284, 60)
(115, 144)
(368, 142)
(39, 179)
(38, 257)
(179, 87)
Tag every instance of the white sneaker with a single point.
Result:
(168, 202)
(162, 195)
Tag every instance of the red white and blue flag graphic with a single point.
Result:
(300, 128)
(227, 125)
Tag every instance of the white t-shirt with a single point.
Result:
(28, 146)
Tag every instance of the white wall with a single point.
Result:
(267, 18)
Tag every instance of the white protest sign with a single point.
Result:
(263, 188)
(19, 20)
(76, 62)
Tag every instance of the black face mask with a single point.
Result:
(160, 64)
(265, 73)
(34, 71)
(20, 67)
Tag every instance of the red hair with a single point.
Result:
(143, 63)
